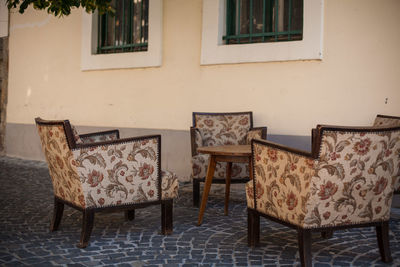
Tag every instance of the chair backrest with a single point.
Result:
(354, 175)
(384, 120)
(57, 140)
(223, 128)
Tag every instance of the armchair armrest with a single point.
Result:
(281, 181)
(99, 136)
(195, 140)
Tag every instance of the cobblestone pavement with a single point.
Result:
(26, 203)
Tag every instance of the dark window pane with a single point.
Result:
(263, 21)
(127, 22)
(118, 22)
(110, 30)
(258, 16)
(145, 26)
(137, 22)
(244, 20)
(297, 15)
(127, 29)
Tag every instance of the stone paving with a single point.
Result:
(26, 203)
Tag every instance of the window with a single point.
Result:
(119, 51)
(228, 37)
(126, 30)
(255, 21)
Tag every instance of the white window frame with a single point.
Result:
(214, 51)
(150, 58)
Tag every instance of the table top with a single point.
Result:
(229, 150)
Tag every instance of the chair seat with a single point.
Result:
(200, 164)
(169, 185)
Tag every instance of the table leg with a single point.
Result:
(227, 185)
(207, 186)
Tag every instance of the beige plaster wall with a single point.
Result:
(360, 69)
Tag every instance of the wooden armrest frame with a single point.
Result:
(118, 141)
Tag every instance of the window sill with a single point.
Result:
(213, 51)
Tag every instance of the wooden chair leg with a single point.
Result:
(87, 226)
(304, 239)
(253, 228)
(327, 234)
(167, 217)
(57, 215)
(196, 193)
(212, 163)
(382, 234)
(129, 215)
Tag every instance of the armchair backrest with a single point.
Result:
(354, 176)
(57, 140)
(384, 120)
(223, 128)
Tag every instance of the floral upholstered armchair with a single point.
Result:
(347, 182)
(214, 129)
(385, 120)
(110, 174)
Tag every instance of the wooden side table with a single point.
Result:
(229, 154)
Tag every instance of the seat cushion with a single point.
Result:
(200, 164)
(169, 185)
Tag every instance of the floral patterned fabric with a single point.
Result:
(282, 183)
(77, 138)
(66, 183)
(253, 134)
(225, 129)
(197, 139)
(100, 176)
(392, 121)
(100, 137)
(351, 182)
(119, 174)
(383, 121)
(169, 185)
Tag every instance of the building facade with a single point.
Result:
(344, 71)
